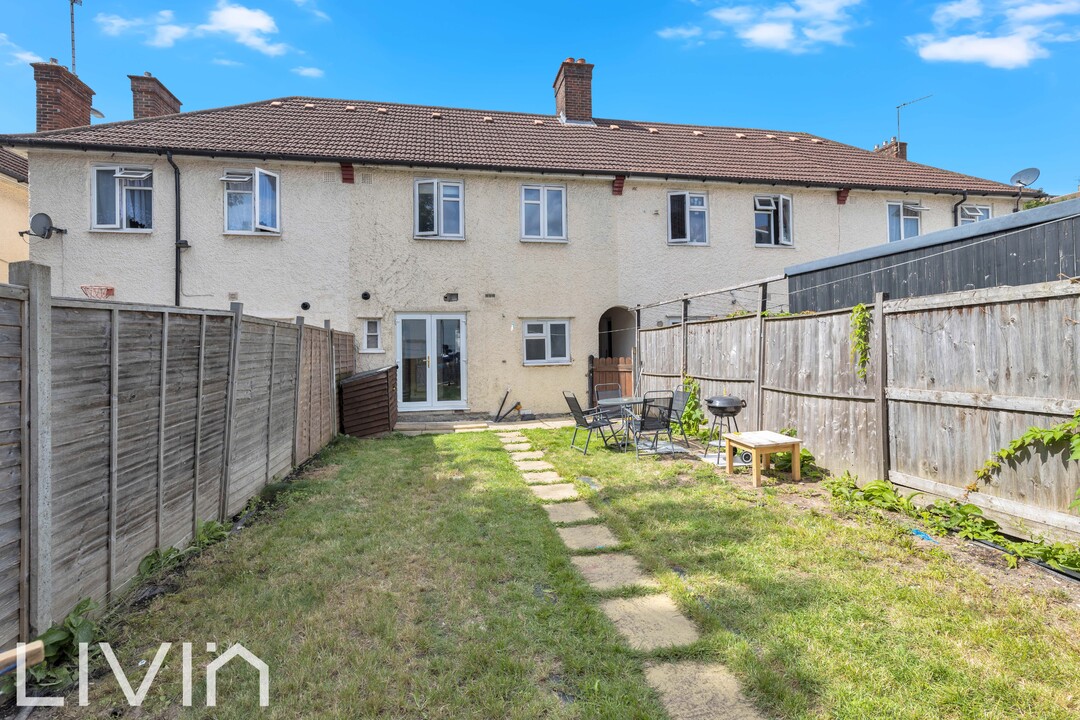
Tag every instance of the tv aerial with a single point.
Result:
(1022, 180)
(41, 225)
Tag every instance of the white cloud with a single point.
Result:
(18, 55)
(1003, 34)
(249, 27)
(159, 28)
(797, 26)
(679, 33)
(309, 5)
(167, 35)
(309, 72)
(226, 62)
(115, 25)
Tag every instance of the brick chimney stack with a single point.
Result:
(573, 91)
(149, 98)
(63, 100)
(892, 148)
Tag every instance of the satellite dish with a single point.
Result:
(41, 225)
(1025, 178)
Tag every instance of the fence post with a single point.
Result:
(296, 402)
(333, 378)
(881, 399)
(636, 356)
(230, 392)
(114, 439)
(162, 389)
(270, 400)
(760, 382)
(38, 449)
(685, 335)
(591, 381)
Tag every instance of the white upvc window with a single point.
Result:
(371, 338)
(543, 212)
(905, 219)
(774, 221)
(547, 342)
(122, 197)
(252, 201)
(974, 213)
(688, 218)
(439, 208)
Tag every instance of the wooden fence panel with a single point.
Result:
(722, 356)
(217, 343)
(611, 370)
(250, 438)
(81, 457)
(344, 354)
(659, 352)
(181, 399)
(315, 409)
(13, 610)
(968, 373)
(283, 408)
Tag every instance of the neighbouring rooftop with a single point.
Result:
(13, 166)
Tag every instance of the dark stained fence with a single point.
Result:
(369, 402)
(611, 370)
(344, 354)
(122, 427)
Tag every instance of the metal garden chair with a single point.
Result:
(680, 399)
(590, 420)
(607, 391)
(655, 419)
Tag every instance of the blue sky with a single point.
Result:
(1003, 73)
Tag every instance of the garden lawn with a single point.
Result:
(409, 578)
(822, 615)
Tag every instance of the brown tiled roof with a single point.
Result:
(14, 166)
(387, 133)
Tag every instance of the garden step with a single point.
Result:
(547, 477)
(588, 537)
(530, 465)
(568, 512)
(651, 622)
(528, 455)
(699, 691)
(518, 447)
(564, 491)
(612, 570)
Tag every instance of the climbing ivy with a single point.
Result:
(1060, 437)
(860, 339)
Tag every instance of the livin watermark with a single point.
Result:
(134, 698)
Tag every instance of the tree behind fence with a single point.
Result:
(124, 427)
(965, 373)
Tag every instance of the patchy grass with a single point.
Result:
(829, 616)
(420, 579)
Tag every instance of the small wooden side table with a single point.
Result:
(762, 444)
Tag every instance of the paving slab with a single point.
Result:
(564, 491)
(517, 447)
(527, 455)
(570, 512)
(531, 465)
(513, 437)
(699, 691)
(651, 622)
(548, 477)
(612, 570)
(588, 537)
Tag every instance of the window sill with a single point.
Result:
(546, 241)
(560, 363)
(774, 247)
(123, 231)
(380, 351)
(249, 233)
(687, 244)
(442, 238)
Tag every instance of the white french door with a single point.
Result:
(431, 361)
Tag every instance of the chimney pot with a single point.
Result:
(150, 98)
(573, 91)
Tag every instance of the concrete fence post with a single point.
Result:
(881, 398)
(38, 451)
(332, 360)
(230, 408)
(299, 377)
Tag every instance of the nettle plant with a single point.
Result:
(1063, 437)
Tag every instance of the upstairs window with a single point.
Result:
(773, 221)
(688, 218)
(543, 212)
(252, 201)
(547, 342)
(905, 220)
(438, 211)
(974, 213)
(123, 198)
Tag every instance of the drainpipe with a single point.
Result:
(956, 209)
(180, 244)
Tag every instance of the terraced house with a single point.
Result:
(478, 250)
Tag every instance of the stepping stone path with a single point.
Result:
(547, 478)
(612, 571)
(689, 690)
(569, 512)
(588, 537)
(531, 465)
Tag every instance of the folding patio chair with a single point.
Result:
(680, 399)
(655, 419)
(590, 420)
